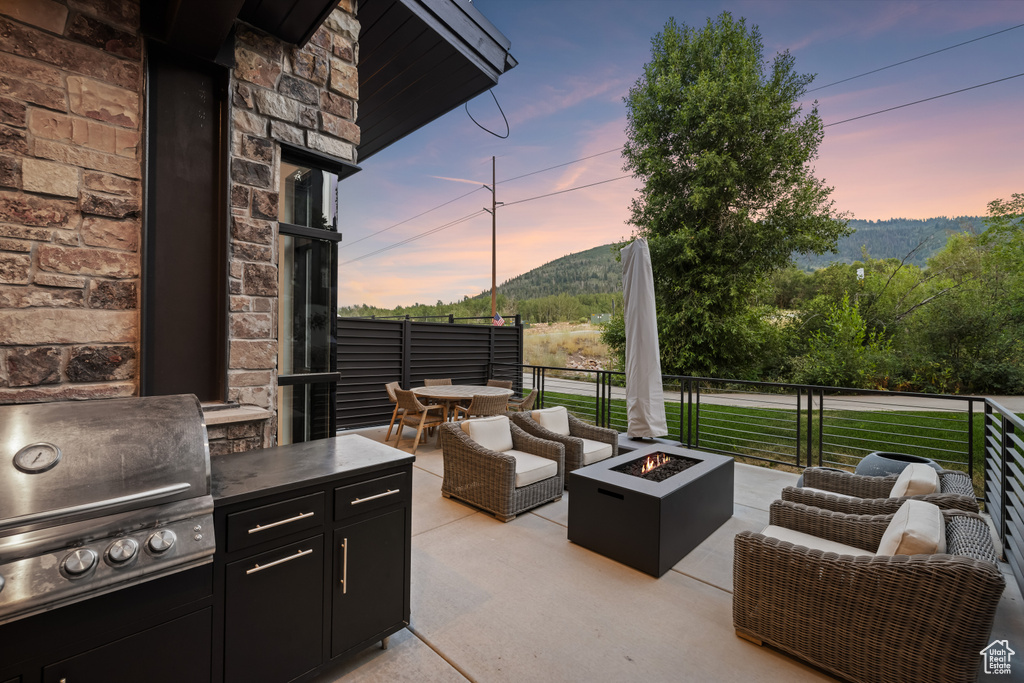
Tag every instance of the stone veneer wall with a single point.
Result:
(71, 84)
(303, 97)
(70, 168)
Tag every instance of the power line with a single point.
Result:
(482, 186)
(927, 99)
(905, 61)
(415, 237)
(549, 168)
(571, 189)
(424, 213)
(473, 215)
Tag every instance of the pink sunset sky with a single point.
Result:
(578, 59)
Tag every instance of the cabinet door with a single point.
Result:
(370, 582)
(171, 653)
(273, 613)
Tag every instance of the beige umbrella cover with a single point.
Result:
(645, 399)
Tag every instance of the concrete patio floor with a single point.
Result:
(518, 602)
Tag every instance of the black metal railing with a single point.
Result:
(1004, 482)
(785, 424)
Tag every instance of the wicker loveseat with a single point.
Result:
(882, 618)
(584, 443)
(865, 495)
(487, 478)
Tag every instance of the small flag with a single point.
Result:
(498, 321)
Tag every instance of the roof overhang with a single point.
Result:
(418, 60)
(203, 27)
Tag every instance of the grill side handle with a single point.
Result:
(49, 515)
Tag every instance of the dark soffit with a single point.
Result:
(418, 60)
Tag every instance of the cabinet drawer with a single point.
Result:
(277, 520)
(369, 495)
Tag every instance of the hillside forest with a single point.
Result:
(939, 307)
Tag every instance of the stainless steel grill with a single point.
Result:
(99, 495)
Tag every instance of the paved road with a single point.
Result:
(888, 401)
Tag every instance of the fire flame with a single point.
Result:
(653, 461)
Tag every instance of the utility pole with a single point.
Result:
(494, 239)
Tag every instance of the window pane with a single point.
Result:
(309, 197)
(306, 305)
(303, 412)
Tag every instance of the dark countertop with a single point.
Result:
(238, 477)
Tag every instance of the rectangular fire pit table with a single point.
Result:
(649, 525)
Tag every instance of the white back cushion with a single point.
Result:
(917, 479)
(553, 419)
(917, 528)
(492, 433)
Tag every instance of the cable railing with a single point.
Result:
(782, 424)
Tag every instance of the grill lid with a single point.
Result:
(63, 462)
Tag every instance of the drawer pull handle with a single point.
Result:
(389, 492)
(344, 566)
(297, 555)
(264, 527)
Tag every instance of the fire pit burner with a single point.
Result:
(657, 466)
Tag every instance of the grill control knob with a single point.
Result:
(122, 550)
(79, 562)
(161, 541)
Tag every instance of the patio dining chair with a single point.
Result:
(415, 414)
(500, 383)
(907, 596)
(584, 443)
(433, 382)
(496, 466)
(872, 495)
(482, 406)
(524, 404)
(390, 387)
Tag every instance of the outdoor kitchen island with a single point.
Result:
(313, 555)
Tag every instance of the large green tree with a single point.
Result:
(724, 151)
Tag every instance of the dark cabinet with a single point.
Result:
(310, 572)
(186, 640)
(369, 593)
(273, 607)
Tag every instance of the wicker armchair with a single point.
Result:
(870, 495)
(882, 618)
(487, 478)
(524, 404)
(437, 382)
(483, 406)
(500, 383)
(584, 444)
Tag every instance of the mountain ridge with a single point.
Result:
(597, 271)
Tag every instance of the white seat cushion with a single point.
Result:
(917, 528)
(492, 433)
(813, 542)
(553, 419)
(831, 493)
(917, 479)
(595, 451)
(532, 468)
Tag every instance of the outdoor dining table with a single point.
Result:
(454, 393)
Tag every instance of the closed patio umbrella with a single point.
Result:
(645, 400)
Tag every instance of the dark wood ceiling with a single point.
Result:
(419, 59)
